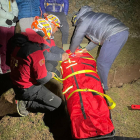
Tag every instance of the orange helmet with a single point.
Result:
(42, 25)
(54, 20)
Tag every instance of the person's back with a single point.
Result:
(97, 26)
(56, 6)
(26, 68)
(28, 9)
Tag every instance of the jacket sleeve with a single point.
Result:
(78, 36)
(45, 79)
(42, 6)
(15, 9)
(39, 68)
(57, 50)
(52, 56)
(66, 6)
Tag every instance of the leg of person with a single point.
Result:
(10, 33)
(35, 98)
(25, 23)
(41, 95)
(3, 42)
(109, 51)
(65, 26)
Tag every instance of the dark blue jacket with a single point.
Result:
(28, 8)
(54, 6)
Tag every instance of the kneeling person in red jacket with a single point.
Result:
(29, 70)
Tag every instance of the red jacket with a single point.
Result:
(28, 61)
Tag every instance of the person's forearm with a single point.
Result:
(52, 56)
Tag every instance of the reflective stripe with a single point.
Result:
(56, 4)
(67, 89)
(71, 65)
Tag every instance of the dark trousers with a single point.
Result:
(39, 98)
(65, 28)
(5, 34)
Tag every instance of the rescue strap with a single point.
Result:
(72, 74)
(91, 90)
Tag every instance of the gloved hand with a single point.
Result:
(9, 22)
(15, 19)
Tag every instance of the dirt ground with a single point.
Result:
(123, 82)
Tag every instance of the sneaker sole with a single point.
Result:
(18, 109)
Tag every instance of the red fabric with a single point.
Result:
(97, 120)
(28, 70)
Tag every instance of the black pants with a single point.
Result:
(39, 98)
(65, 28)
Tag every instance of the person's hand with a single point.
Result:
(15, 19)
(9, 22)
(65, 56)
(83, 50)
(53, 74)
(45, 14)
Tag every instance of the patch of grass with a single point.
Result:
(25, 128)
(126, 121)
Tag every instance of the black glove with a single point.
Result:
(15, 19)
(9, 22)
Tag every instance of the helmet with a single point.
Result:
(54, 20)
(74, 20)
(42, 25)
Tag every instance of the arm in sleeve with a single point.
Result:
(15, 9)
(57, 50)
(91, 46)
(66, 6)
(78, 36)
(39, 68)
(45, 79)
(42, 6)
(52, 56)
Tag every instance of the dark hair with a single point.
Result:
(12, 1)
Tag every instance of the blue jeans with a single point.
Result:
(109, 51)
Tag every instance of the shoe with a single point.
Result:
(21, 108)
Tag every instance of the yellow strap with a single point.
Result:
(9, 6)
(75, 73)
(103, 95)
(57, 78)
